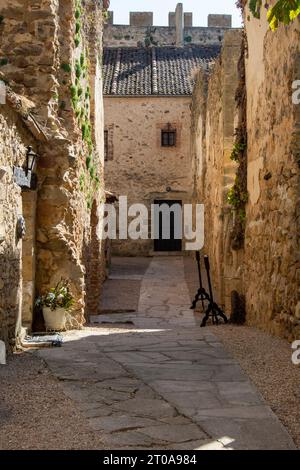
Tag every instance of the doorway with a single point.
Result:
(171, 243)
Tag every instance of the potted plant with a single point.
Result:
(55, 304)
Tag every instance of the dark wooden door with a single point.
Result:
(171, 244)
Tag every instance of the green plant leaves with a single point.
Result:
(255, 6)
(59, 296)
(284, 11)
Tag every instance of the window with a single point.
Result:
(105, 146)
(168, 137)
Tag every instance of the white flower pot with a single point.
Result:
(55, 320)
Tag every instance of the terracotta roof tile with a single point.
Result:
(154, 71)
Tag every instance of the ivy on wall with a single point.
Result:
(237, 196)
(89, 180)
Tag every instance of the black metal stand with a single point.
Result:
(213, 310)
(201, 295)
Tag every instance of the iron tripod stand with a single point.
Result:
(201, 295)
(213, 310)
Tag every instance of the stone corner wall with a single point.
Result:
(55, 59)
(213, 135)
(265, 273)
(272, 244)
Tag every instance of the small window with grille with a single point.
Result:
(168, 137)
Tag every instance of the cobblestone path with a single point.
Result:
(153, 379)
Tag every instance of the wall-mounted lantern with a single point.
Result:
(31, 158)
(25, 177)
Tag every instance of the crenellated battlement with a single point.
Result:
(180, 30)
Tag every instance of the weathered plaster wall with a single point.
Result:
(13, 141)
(272, 248)
(139, 167)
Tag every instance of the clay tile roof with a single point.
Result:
(165, 71)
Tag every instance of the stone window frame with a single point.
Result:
(165, 127)
(108, 143)
(168, 137)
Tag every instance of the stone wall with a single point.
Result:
(223, 21)
(266, 270)
(271, 248)
(179, 31)
(141, 18)
(213, 116)
(14, 138)
(29, 45)
(135, 36)
(139, 167)
(53, 55)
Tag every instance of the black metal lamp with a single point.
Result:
(31, 158)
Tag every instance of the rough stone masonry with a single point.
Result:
(50, 56)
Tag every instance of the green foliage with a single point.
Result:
(80, 96)
(92, 172)
(78, 69)
(82, 182)
(77, 40)
(88, 161)
(284, 11)
(58, 297)
(66, 68)
(255, 6)
(77, 27)
(88, 92)
(238, 148)
(105, 15)
(74, 97)
(238, 198)
(3, 61)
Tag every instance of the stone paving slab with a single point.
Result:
(161, 382)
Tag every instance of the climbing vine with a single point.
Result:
(80, 92)
(237, 196)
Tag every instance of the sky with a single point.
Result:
(161, 9)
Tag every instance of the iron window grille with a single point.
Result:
(168, 137)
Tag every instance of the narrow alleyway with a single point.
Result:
(150, 377)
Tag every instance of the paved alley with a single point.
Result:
(151, 378)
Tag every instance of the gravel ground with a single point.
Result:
(34, 411)
(267, 361)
